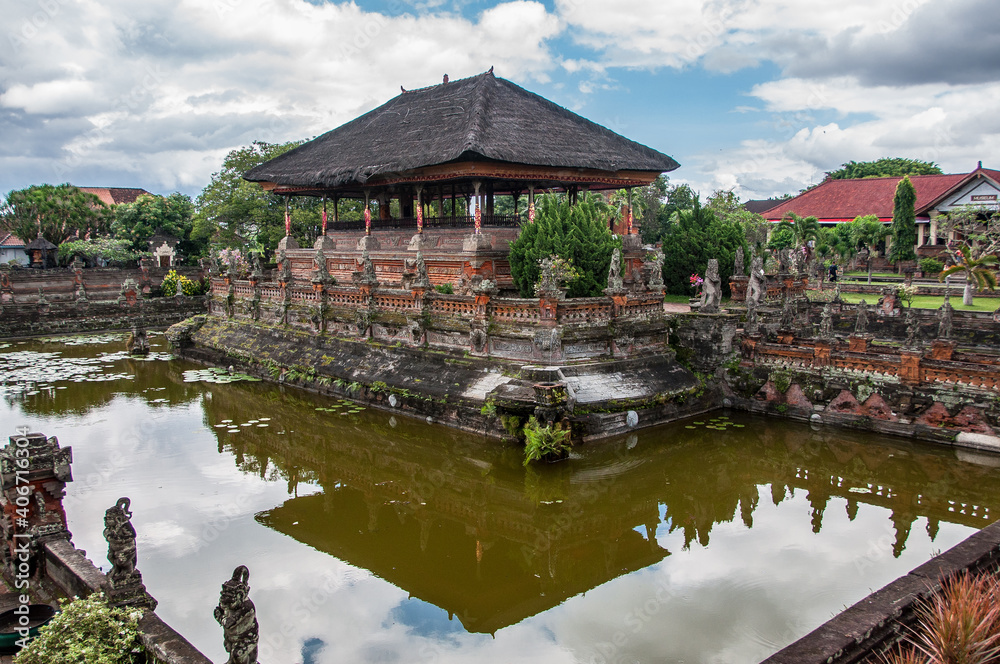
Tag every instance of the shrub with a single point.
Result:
(545, 442)
(960, 624)
(172, 281)
(112, 252)
(577, 233)
(445, 289)
(87, 630)
(931, 265)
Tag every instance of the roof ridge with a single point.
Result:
(477, 116)
(488, 72)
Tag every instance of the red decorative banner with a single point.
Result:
(324, 216)
(531, 213)
(368, 221)
(479, 218)
(420, 218)
(288, 222)
(628, 221)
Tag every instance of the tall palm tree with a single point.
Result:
(803, 228)
(976, 270)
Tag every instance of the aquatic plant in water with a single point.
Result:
(216, 375)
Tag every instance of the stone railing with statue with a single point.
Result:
(627, 321)
(789, 274)
(917, 346)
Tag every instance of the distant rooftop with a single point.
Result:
(11, 241)
(116, 195)
(844, 200)
(760, 206)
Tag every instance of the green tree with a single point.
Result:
(692, 238)
(803, 229)
(679, 197)
(837, 243)
(904, 222)
(974, 252)
(116, 252)
(724, 202)
(868, 231)
(58, 212)
(236, 213)
(149, 215)
(781, 238)
(576, 233)
(886, 167)
(653, 196)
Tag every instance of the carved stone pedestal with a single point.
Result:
(477, 242)
(286, 243)
(942, 349)
(858, 344)
(368, 243)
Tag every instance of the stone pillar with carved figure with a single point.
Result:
(34, 471)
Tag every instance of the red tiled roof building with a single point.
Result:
(837, 201)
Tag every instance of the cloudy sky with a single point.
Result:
(760, 95)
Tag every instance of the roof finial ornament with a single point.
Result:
(491, 70)
(980, 164)
(445, 80)
(402, 89)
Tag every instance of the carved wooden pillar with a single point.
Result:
(478, 214)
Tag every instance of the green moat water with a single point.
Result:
(374, 537)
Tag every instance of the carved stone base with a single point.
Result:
(631, 242)
(368, 242)
(131, 593)
(287, 242)
(480, 242)
(324, 243)
(416, 242)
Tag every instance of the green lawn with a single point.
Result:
(864, 275)
(987, 304)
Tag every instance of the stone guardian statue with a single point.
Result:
(945, 320)
(755, 285)
(711, 290)
(124, 587)
(861, 322)
(238, 617)
(826, 323)
(615, 281)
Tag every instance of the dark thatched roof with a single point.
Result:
(473, 119)
(40, 243)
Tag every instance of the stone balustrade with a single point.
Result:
(548, 329)
(918, 365)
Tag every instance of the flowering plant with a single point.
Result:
(87, 630)
(234, 262)
(696, 281)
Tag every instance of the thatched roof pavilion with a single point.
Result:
(467, 139)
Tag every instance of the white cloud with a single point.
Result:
(163, 88)
(934, 122)
(675, 33)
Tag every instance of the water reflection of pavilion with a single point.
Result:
(464, 527)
